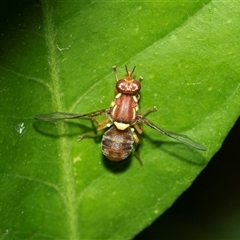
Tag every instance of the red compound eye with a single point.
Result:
(128, 87)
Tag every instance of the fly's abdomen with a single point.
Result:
(117, 144)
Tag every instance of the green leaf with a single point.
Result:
(57, 56)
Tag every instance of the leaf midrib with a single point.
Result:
(68, 183)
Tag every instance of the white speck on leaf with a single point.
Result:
(20, 128)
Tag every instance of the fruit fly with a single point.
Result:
(123, 120)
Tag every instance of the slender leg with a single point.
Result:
(138, 128)
(115, 72)
(154, 109)
(86, 135)
(104, 124)
(136, 140)
(101, 125)
(137, 156)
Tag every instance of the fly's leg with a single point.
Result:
(136, 140)
(115, 72)
(154, 109)
(104, 124)
(116, 77)
(139, 126)
(101, 125)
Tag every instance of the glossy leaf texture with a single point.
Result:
(56, 56)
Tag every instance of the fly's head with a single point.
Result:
(128, 85)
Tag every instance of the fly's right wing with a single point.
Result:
(179, 137)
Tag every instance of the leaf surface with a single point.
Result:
(57, 56)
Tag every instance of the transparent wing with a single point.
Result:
(179, 137)
(56, 116)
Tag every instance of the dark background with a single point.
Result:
(210, 208)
